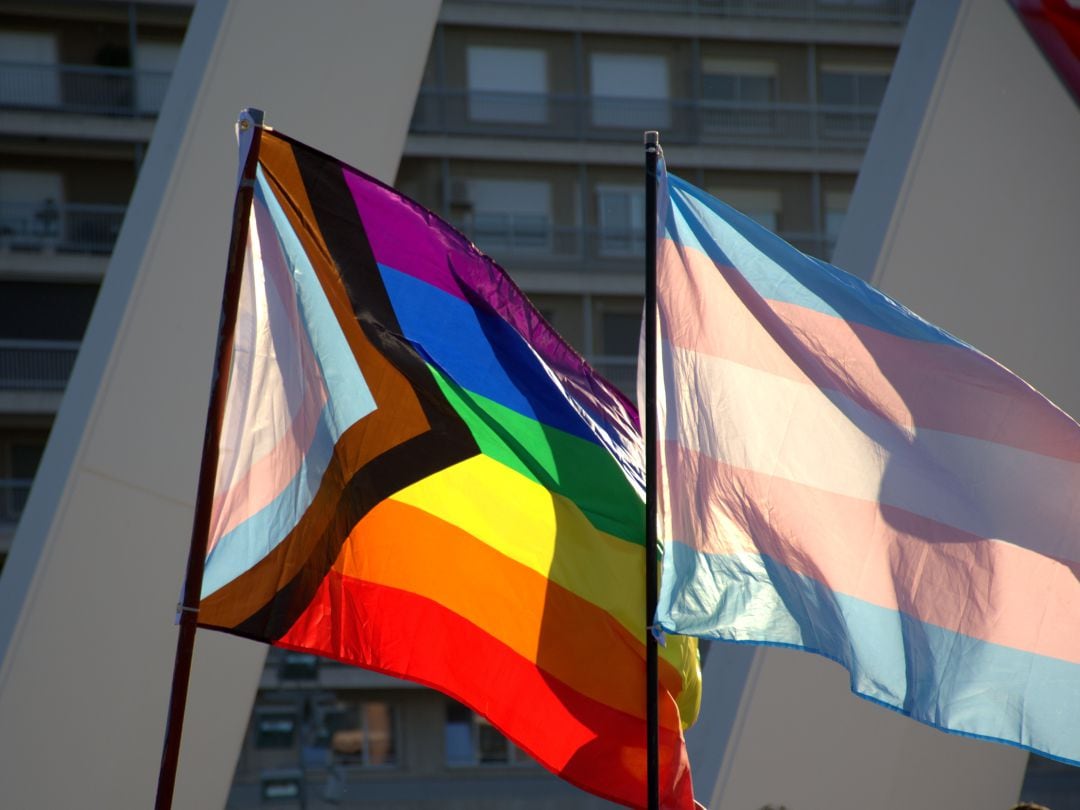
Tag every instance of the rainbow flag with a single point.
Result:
(418, 476)
(843, 477)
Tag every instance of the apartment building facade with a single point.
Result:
(527, 136)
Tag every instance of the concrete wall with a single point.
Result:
(87, 597)
(965, 211)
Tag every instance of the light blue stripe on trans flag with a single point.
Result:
(348, 401)
(780, 272)
(939, 677)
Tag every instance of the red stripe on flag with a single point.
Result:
(585, 742)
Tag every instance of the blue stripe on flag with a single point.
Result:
(480, 351)
(349, 401)
(349, 395)
(242, 548)
(894, 659)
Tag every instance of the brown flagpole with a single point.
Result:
(249, 131)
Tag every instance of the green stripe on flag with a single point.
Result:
(574, 468)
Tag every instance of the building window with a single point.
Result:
(30, 78)
(282, 785)
(851, 85)
(852, 95)
(507, 84)
(621, 215)
(294, 666)
(275, 727)
(836, 206)
(154, 64)
(362, 733)
(20, 454)
(566, 315)
(630, 90)
(470, 740)
(31, 204)
(503, 215)
(616, 340)
(760, 204)
(738, 93)
(22, 303)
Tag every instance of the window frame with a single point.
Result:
(516, 757)
(491, 99)
(608, 104)
(621, 241)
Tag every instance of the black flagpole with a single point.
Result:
(249, 128)
(652, 715)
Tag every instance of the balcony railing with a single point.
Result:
(781, 124)
(889, 12)
(818, 245)
(82, 89)
(67, 227)
(516, 241)
(36, 365)
(619, 371)
(13, 494)
(563, 247)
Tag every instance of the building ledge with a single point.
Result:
(713, 156)
(334, 676)
(75, 126)
(52, 266)
(30, 402)
(565, 17)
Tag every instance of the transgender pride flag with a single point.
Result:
(840, 476)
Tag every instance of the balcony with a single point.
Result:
(67, 227)
(515, 241)
(82, 89)
(619, 371)
(13, 494)
(887, 12)
(818, 127)
(36, 365)
(532, 242)
(309, 673)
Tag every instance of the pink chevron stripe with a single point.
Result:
(880, 554)
(280, 333)
(907, 382)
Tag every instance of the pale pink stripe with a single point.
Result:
(888, 557)
(269, 474)
(712, 310)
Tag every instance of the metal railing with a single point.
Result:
(560, 246)
(13, 495)
(36, 365)
(446, 111)
(886, 12)
(619, 371)
(66, 227)
(82, 88)
(588, 249)
(818, 245)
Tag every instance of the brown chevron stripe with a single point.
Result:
(412, 432)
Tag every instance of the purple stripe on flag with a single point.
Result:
(415, 241)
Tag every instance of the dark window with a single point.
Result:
(32, 310)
